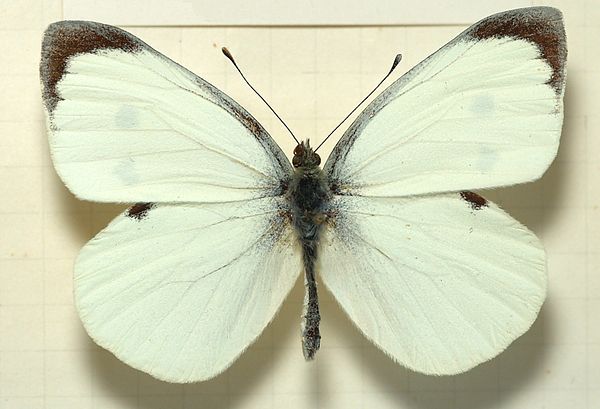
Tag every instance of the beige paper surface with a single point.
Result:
(313, 77)
(284, 12)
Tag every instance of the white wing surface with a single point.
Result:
(127, 124)
(179, 290)
(440, 283)
(485, 110)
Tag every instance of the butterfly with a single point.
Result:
(435, 275)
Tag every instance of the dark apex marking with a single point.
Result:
(65, 39)
(540, 25)
(139, 211)
(476, 201)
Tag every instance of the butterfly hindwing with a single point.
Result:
(485, 110)
(127, 124)
(440, 283)
(181, 290)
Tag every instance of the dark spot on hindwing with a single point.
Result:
(139, 211)
(475, 201)
(65, 39)
(539, 25)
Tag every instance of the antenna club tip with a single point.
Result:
(397, 60)
(227, 53)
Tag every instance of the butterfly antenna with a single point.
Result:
(230, 57)
(394, 65)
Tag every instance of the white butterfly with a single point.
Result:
(185, 280)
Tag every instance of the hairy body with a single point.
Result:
(308, 195)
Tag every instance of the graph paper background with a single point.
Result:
(313, 76)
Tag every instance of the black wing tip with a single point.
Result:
(536, 12)
(541, 25)
(55, 30)
(64, 39)
(522, 23)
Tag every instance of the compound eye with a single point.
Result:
(299, 150)
(317, 159)
(297, 161)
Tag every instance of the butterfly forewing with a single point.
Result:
(127, 124)
(483, 111)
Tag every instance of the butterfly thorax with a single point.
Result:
(308, 195)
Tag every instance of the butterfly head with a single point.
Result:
(304, 156)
